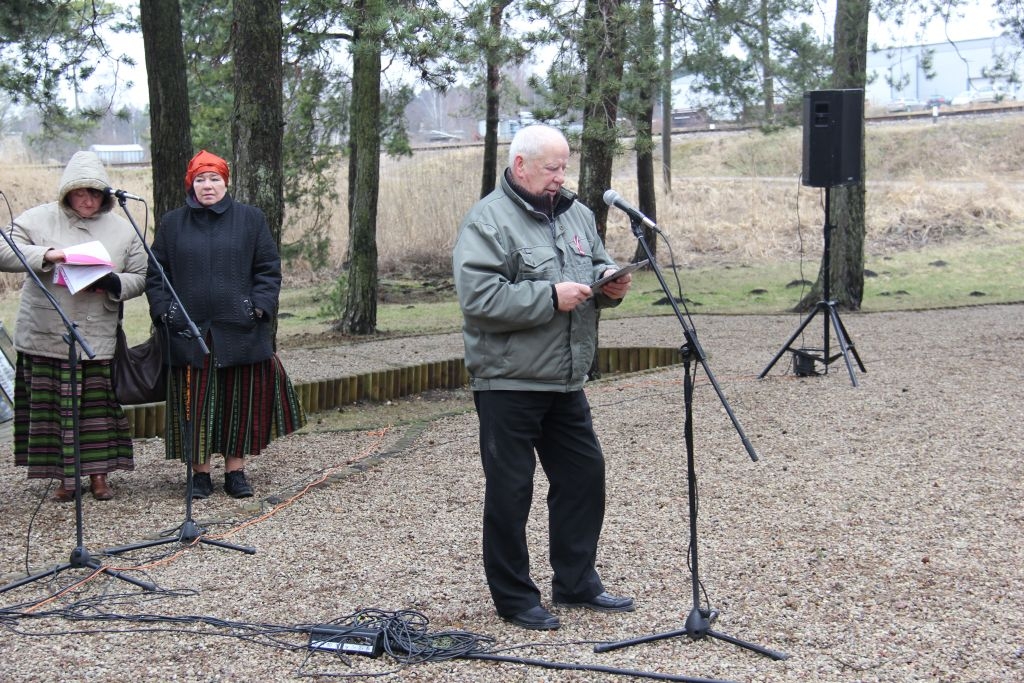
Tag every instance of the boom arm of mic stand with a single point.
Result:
(193, 331)
(73, 333)
(692, 346)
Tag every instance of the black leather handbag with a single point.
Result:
(138, 372)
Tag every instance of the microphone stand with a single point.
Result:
(698, 622)
(189, 531)
(80, 558)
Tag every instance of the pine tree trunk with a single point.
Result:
(667, 9)
(601, 43)
(360, 316)
(488, 180)
(257, 122)
(169, 121)
(646, 70)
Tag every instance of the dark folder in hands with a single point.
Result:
(624, 270)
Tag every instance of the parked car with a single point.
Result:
(987, 95)
(937, 101)
(996, 96)
(905, 104)
(964, 98)
(981, 96)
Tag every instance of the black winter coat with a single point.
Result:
(224, 265)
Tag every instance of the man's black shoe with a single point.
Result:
(603, 603)
(536, 619)
(202, 485)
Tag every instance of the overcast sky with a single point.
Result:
(976, 21)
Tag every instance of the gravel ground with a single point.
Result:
(877, 538)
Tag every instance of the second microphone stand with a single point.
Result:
(189, 532)
(698, 622)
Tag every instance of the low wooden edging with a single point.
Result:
(148, 420)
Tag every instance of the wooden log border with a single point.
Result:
(148, 420)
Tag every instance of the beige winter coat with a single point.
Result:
(39, 329)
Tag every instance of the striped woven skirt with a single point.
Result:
(236, 411)
(44, 434)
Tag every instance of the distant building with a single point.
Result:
(980, 64)
(119, 154)
(507, 128)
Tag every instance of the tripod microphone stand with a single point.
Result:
(698, 622)
(827, 307)
(189, 532)
(80, 558)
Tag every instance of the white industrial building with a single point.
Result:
(119, 154)
(917, 72)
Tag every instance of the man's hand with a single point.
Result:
(617, 288)
(571, 294)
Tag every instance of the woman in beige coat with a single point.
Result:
(44, 436)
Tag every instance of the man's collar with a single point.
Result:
(543, 203)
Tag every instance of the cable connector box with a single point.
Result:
(353, 640)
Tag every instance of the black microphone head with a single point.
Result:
(610, 197)
(110, 192)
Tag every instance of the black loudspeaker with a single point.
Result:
(833, 134)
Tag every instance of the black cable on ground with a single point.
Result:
(408, 641)
(592, 667)
(404, 636)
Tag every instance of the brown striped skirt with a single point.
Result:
(235, 411)
(44, 434)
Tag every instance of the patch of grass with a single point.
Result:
(936, 277)
(953, 275)
(963, 273)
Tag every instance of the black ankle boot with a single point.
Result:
(202, 485)
(236, 485)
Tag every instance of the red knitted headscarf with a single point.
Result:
(203, 162)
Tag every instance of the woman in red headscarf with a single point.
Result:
(223, 264)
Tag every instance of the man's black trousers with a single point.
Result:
(516, 429)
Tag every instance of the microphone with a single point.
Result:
(612, 198)
(121, 194)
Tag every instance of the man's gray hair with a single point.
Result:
(529, 141)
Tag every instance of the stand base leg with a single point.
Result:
(80, 559)
(697, 626)
(190, 533)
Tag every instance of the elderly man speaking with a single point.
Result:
(523, 263)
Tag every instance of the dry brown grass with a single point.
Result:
(736, 196)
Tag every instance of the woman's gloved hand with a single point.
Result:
(108, 283)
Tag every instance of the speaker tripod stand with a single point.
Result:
(827, 307)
